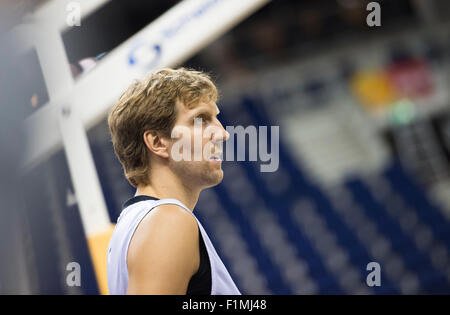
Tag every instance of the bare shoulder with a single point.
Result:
(167, 236)
(167, 223)
(172, 213)
(168, 220)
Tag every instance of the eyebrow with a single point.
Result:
(204, 110)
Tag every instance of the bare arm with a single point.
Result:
(163, 253)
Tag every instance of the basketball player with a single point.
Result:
(158, 245)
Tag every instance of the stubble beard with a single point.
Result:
(198, 174)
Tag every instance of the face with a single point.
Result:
(196, 145)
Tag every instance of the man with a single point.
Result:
(168, 139)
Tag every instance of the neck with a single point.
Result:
(164, 184)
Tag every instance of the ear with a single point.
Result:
(156, 143)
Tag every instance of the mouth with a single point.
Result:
(215, 157)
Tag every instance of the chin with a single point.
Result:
(214, 179)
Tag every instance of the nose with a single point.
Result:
(221, 134)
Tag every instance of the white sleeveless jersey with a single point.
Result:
(129, 219)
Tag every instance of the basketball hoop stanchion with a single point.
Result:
(94, 214)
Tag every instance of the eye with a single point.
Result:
(203, 117)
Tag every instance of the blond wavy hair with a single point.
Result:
(150, 104)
